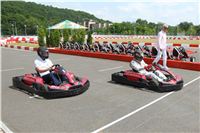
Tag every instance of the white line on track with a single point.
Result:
(12, 69)
(108, 69)
(140, 109)
(5, 128)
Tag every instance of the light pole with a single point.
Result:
(135, 29)
(177, 30)
(15, 28)
(114, 29)
(37, 29)
(12, 29)
(25, 29)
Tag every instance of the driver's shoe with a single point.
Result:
(166, 68)
(64, 82)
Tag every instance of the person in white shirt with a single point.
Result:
(43, 65)
(162, 46)
(138, 64)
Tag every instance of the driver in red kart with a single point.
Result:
(43, 65)
(140, 66)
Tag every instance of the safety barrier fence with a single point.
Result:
(127, 58)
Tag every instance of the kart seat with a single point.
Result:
(154, 51)
(176, 52)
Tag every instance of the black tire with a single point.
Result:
(170, 57)
(117, 76)
(153, 85)
(19, 84)
(192, 59)
(78, 78)
(17, 81)
(39, 87)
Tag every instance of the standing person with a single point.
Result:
(162, 46)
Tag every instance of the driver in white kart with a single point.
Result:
(43, 65)
(138, 64)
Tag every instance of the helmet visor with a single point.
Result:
(45, 54)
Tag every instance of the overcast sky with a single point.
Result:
(171, 12)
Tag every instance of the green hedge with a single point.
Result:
(53, 37)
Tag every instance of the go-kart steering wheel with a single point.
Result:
(54, 66)
(150, 68)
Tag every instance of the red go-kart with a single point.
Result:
(132, 77)
(34, 84)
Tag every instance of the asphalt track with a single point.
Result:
(105, 107)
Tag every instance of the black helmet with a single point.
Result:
(138, 55)
(43, 52)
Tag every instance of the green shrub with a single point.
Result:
(41, 35)
(89, 38)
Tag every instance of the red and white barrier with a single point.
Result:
(18, 47)
(19, 39)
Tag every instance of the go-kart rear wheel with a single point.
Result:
(17, 81)
(19, 84)
(117, 77)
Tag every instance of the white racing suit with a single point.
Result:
(139, 67)
(162, 45)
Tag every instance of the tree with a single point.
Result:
(41, 36)
(172, 30)
(32, 14)
(186, 27)
(191, 31)
(197, 30)
(141, 22)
